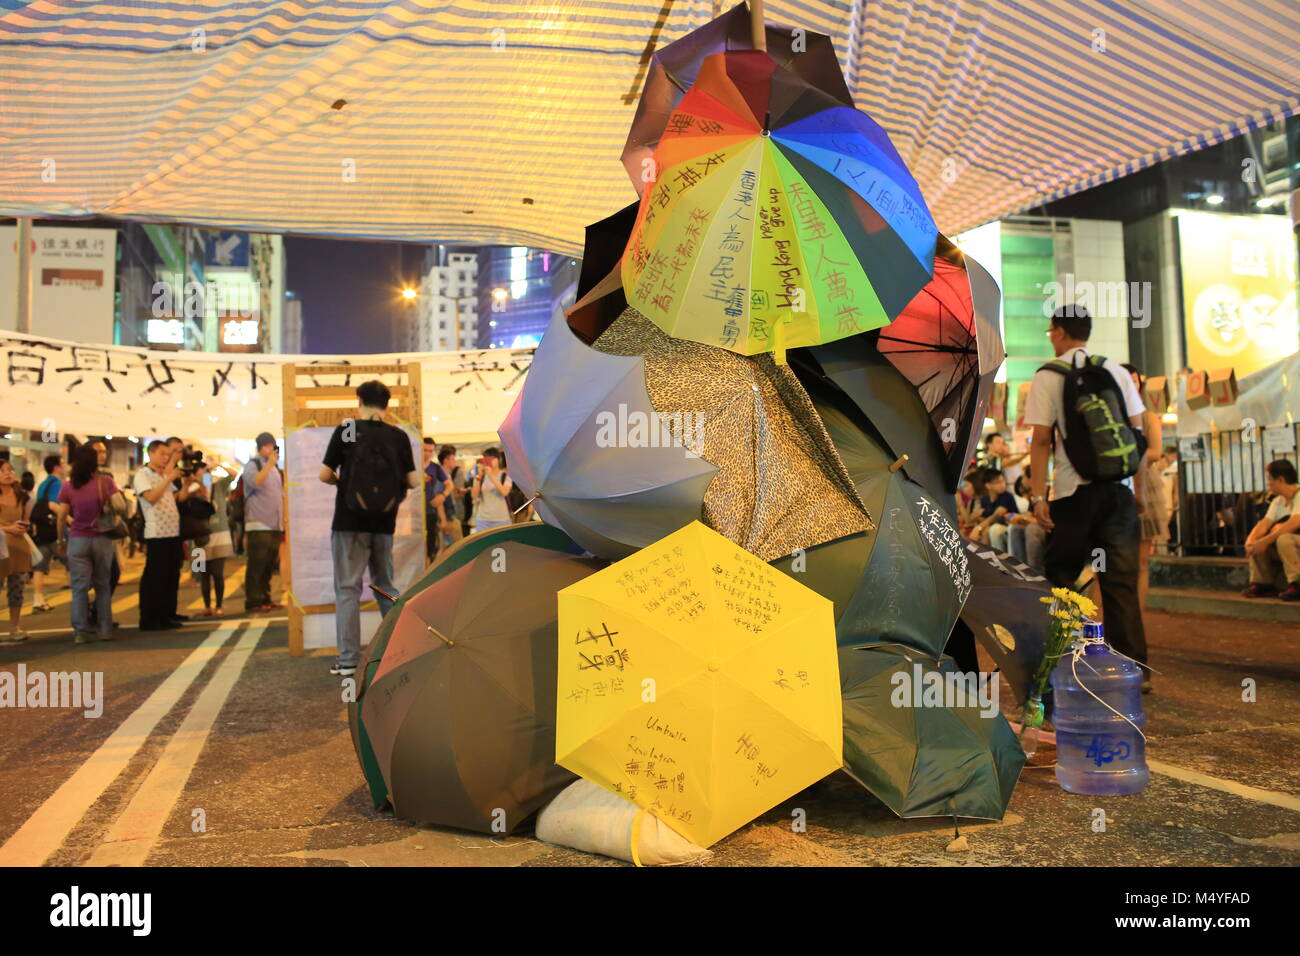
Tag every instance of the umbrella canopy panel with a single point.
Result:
(455, 120)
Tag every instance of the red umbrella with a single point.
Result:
(947, 343)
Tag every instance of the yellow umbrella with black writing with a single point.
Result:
(699, 682)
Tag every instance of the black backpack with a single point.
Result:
(45, 523)
(375, 484)
(1099, 441)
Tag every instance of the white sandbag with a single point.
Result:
(589, 818)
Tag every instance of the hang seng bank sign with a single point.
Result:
(73, 282)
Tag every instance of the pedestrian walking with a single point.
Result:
(454, 494)
(45, 528)
(372, 466)
(82, 500)
(1155, 511)
(1088, 410)
(436, 481)
(15, 518)
(490, 490)
(263, 486)
(157, 497)
(101, 456)
(212, 576)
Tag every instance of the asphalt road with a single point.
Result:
(216, 747)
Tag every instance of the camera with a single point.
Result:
(191, 460)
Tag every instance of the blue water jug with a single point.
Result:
(1098, 752)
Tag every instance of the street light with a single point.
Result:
(408, 293)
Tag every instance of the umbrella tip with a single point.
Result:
(902, 460)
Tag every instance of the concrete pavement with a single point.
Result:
(216, 747)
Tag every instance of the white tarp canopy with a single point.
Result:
(501, 121)
(65, 387)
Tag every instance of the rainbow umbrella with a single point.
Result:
(779, 217)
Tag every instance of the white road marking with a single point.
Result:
(137, 830)
(49, 827)
(1271, 797)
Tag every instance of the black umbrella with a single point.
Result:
(600, 285)
(862, 383)
(1005, 613)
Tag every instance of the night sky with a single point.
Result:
(350, 291)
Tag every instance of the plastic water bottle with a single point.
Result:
(1098, 752)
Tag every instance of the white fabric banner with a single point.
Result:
(57, 387)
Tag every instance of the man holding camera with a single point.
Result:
(155, 489)
(263, 522)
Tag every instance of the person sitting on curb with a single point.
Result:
(1273, 545)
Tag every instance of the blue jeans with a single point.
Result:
(90, 565)
(1025, 542)
(354, 552)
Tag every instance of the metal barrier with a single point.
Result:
(1221, 486)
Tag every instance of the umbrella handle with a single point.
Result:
(902, 460)
(757, 25)
(439, 635)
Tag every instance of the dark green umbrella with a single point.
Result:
(860, 381)
(948, 756)
(461, 710)
(907, 580)
(533, 533)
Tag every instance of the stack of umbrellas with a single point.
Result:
(622, 639)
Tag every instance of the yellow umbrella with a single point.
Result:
(699, 682)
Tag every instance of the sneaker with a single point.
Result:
(17, 637)
(343, 670)
(41, 608)
(1259, 591)
(1292, 593)
(82, 638)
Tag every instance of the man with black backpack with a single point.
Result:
(371, 463)
(1087, 408)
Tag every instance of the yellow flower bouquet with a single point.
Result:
(1067, 611)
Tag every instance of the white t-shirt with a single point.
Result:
(161, 519)
(1279, 509)
(1045, 406)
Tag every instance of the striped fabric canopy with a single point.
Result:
(501, 121)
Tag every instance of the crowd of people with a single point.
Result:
(1045, 501)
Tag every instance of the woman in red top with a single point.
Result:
(90, 554)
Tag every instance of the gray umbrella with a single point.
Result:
(461, 710)
(585, 442)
